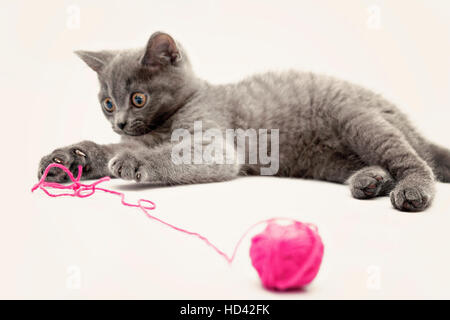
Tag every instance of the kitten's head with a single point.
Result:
(140, 89)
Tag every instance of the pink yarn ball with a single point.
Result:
(287, 257)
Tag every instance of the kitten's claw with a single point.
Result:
(57, 160)
(80, 153)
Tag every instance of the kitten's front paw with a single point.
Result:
(70, 157)
(126, 166)
(410, 198)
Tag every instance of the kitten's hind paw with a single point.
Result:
(370, 182)
(410, 198)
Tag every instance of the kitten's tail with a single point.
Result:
(441, 159)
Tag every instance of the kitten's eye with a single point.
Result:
(138, 99)
(109, 105)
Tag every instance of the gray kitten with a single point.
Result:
(328, 129)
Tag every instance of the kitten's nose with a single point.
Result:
(122, 125)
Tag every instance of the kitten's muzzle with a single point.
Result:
(121, 125)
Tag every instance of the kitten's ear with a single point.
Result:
(161, 50)
(95, 60)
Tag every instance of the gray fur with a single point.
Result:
(329, 129)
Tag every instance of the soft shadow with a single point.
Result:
(140, 186)
(148, 186)
(302, 290)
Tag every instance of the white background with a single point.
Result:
(94, 248)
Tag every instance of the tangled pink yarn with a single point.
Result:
(286, 257)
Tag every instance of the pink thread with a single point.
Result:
(285, 257)
(81, 190)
